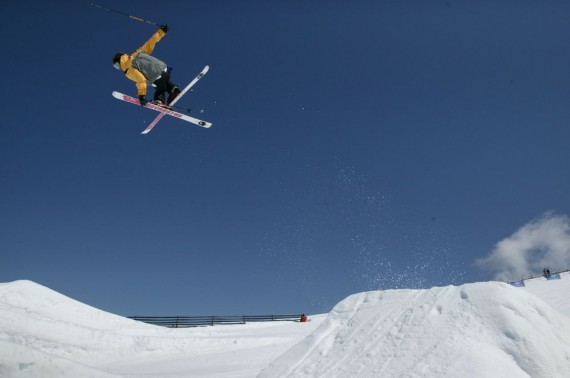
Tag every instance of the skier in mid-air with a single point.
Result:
(145, 70)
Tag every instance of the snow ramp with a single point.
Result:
(474, 330)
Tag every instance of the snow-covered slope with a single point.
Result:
(46, 334)
(553, 292)
(474, 330)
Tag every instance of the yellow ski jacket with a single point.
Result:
(135, 74)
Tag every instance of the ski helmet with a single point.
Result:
(117, 57)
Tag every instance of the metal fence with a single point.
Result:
(198, 321)
(531, 277)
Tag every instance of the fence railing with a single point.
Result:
(531, 277)
(198, 321)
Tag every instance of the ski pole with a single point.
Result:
(188, 110)
(125, 14)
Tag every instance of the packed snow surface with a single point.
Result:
(477, 330)
(474, 330)
(45, 334)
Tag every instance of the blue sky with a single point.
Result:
(355, 146)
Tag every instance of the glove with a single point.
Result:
(164, 28)
(143, 100)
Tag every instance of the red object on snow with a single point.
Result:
(303, 318)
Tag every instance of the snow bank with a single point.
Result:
(46, 334)
(475, 330)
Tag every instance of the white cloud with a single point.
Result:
(544, 242)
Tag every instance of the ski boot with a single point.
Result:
(159, 101)
(173, 94)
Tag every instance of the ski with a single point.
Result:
(159, 117)
(164, 110)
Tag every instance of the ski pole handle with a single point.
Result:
(125, 14)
